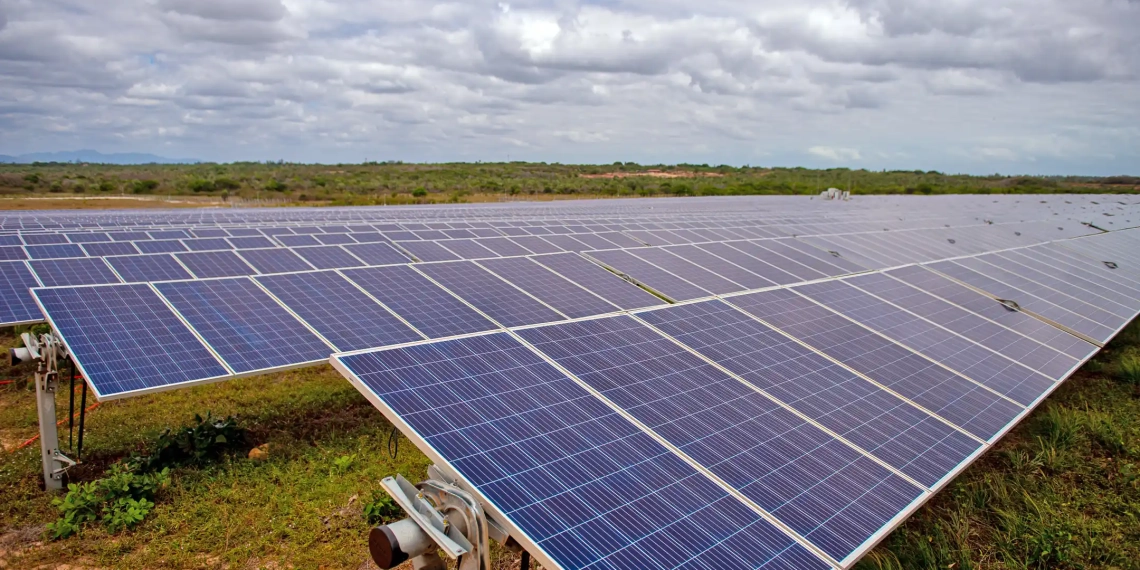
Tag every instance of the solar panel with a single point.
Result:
(756, 249)
(996, 372)
(491, 295)
(44, 239)
(503, 246)
(380, 253)
(584, 484)
(88, 238)
(243, 324)
(722, 267)
(160, 246)
(599, 281)
(535, 244)
(428, 308)
(126, 340)
(467, 249)
(148, 268)
(770, 272)
(54, 251)
(649, 275)
(828, 492)
(328, 257)
(427, 251)
(81, 271)
(16, 304)
(251, 242)
(1027, 351)
(297, 241)
(334, 239)
(886, 426)
(206, 244)
(168, 234)
(568, 298)
(110, 248)
(206, 264)
(274, 260)
(338, 310)
(952, 397)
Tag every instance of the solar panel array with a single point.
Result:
(705, 383)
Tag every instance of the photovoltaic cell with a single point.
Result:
(206, 244)
(12, 253)
(432, 310)
(67, 272)
(251, 242)
(126, 339)
(601, 282)
(16, 304)
(328, 257)
(823, 489)
(297, 241)
(990, 369)
(467, 249)
(934, 388)
(503, 246)
(495, 297)
(110, 248)
(215, 264)
(379, 253)
(274, 260)
(160, 246)
(428, 251)
(243, 324)
(1030, 352)
(148, 268)
(589, 488)
(884, 425)
(536, 244)
(765, 270)
(334, 239)
(44, 239)
(338, 310)
(649, 275)
(720, 266)
(54, 251)
(756, 249)
(568, 298)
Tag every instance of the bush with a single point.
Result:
(381, 509)
(204, 441)
(106, 186)
(419, 193)
(201, 185)
(144, 186)
(120, 501)
(1130, 369)
(227, 184)
(276, 186)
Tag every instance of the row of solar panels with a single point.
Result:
(65, 264)
(786, 428)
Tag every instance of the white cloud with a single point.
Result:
(1044, 85)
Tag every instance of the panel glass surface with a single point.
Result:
(650, 275)
(274, 260)
(16, 304)
(570, 299)
(206, 264)
(432, 310)
(328, 257)
(379, 253)
(148, 268)
(598, 280)
(498, 299)
(67, 272)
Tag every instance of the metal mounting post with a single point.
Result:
(47, 350)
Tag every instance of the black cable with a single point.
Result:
(393, 443)
(524, 560)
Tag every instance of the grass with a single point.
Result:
(1060, 491)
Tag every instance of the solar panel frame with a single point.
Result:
(107, 249)
(549, 287)
(61, 251)
(377, 253)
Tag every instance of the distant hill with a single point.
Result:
(96, 157)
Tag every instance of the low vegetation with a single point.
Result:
(1060, 491)
(395, 183)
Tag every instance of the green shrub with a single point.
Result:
(204, 441)
(227, 184)
(419, 193)
(276, 186)
(144, 186)
(120, 501)
(202, 185)
(106, 186)
(1130, 369)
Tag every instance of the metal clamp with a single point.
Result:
(65, 461)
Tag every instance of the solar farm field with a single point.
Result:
(885, 382)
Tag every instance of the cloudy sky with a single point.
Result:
(1012, 86)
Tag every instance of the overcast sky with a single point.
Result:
(1022, 86)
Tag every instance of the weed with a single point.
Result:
(120, 500)
(343, 463)
(1130, 369)
(382, 509)
(1060, 427)
(204, 441)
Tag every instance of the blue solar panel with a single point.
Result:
(110, 248)
(66, 272)
(430, 309)
(738, 257)
(589, 488)
(43, 239)
(650, 275)
(296, 240)
(603, 283)
(468, 249)
(168, 234)
(498, 299)
(549, 287)
(896, 432)
(12, 253)
(209, 233)
(206, 244)
(328, 257)
(379, 253)
(952, 397)
(828, 492)
(126, 339)
(1039, 356)
(503, 246)
(16, 304)
(335, 239)
(338, 310)
(428, 251)
(275, 260)
(253, 242)
(720, 266)
(215, 264)
(536, 244)
(148, 268)
(990, 369)
(129, 236)
(243, 324)
(54, 251)
(758, 250)
(88, 238)
(160, 246)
